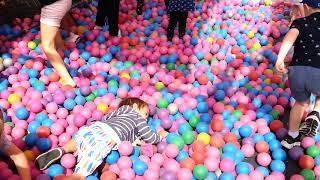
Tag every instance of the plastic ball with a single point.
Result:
(112, 157)
(108, 175)
(55, 170)
(22, 113)
(306, 162)
(313, 151)
(245, 131)
(227, 165)
(12, 98)
(139, 167)
(295, 153)
(43, 132)
(204, 137)
(243, 168)
(278, 166)
(263, 159)
(68, 161)
(200, 172)
(307, 141)
(307, 174)
(172, 151)
(188, 137)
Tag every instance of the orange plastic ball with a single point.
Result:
(276, 79)
(262, 146)
(216, 141)
(275, 125)
(203, 79)
(54, 77)
(253, 76)
(198, 157)
(229, 137)
(187, 163)
(220, 41)
(108, 175)
(198, 146)
(306, 162)
(217, 125)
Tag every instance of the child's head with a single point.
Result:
(138, 105)
(311, 6)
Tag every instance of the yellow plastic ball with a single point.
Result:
(250, 34)
(81, 29)
(256, 46)
(204, 137)
(102, 107)
(159, 86)
(210, 40)
(32, 45)
(29, 155)
(267, 81)
(125, 75)
(14, 98)
(268, 2)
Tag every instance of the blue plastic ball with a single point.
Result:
(269, 136)
(55, 170)
(202, 107)
(33, 126)
(202, 127)
(139, 167)
(69, 104)
(43, 144)
(112, 157)
(278, 166)
(22, 113)
(219, 95)
(31, 139)
(243, 168)
(263, 170)
(245, 131)
(184, 127)
(317, 160)
(182, 155)
(47, 122)
(226, 176)
(212, 176)
(279, 154)
(231, 148)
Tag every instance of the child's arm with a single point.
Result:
(20, 161)
(146, 134)
(286, 45)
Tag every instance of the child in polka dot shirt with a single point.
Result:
(304, 72)
(178, 12)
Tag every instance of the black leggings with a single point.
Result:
(109, 9)
(177, 17)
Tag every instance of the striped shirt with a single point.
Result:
(129, 125)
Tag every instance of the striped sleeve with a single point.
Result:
(145, 133)
(121, 110)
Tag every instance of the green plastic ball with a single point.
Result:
(10, 124)
(112, 83)
(188, 137)
(200, 172)
(248, 86)
(159, 86)
(90, 97)
(237, 113)
(162, 103)
(171, 66)
(134, 73)
(313, 151)
(307, 174)
(194, 121)
(275, 114)
(128, 64)
(178, 141)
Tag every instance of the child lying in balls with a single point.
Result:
(16, 155)
(94, 142)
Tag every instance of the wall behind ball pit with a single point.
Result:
(24, 8)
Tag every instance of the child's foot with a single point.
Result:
(66, 82)
(46, 159)
(310, 126)
(289, 142)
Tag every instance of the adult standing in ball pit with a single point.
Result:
(52, 12)
(93, 143)
(11, 150)
(108, 9)
(178, 12)
(304, 72)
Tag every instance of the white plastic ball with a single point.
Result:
(7, 62)
(173, 108)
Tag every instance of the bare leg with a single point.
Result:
(48, 35)
(296, 115)
(317, 105)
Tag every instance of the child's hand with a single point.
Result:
(163, 133)
(280, 67)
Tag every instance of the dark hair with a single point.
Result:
(132, 100)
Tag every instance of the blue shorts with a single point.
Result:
(304, 81)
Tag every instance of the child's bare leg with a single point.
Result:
(317, 105)
(70, 147)
(296, 115)
(48, 35)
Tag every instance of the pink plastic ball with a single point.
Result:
(248, 150)
(212, 163)
(184, 174)
(151, 174)
(17, 132)
(124, 162)
(171, 165)
(307, 141)
(57, 129)
(256, 175)
(79, 121)
(213, 152)
(227, 165)
(264, 159)
(242, 177)
(171, 151)
(125, 148)
(157, 158)
(296, 177)
(68, 161)
(127, 174)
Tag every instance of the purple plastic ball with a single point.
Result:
(161, 147)
(281, 133)
(295, 152)
(168, 175)
(85, 90)
(87, 72)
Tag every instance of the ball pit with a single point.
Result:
(213, 91)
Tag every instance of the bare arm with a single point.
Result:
(20, 161)
(286, 45)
